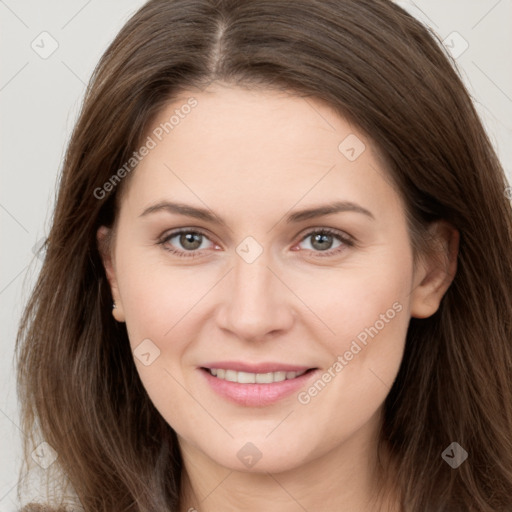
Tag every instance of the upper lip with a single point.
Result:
(256, 368)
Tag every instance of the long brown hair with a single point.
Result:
(383, 71)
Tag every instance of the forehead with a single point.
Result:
(257, 148)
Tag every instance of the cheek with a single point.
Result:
(367, 312)
(158, 303)
(369, 317)
(355, 299)
(156, 298)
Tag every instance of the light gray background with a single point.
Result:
(40, 98)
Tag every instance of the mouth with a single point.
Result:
(250, 385)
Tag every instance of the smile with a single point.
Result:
(258, 388)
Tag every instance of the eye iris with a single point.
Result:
(190, 238)
(322, 238)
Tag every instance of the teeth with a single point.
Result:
(254, 378)
(230, 375)
(245, 378)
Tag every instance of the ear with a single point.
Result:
(436, 270)
(104, 237)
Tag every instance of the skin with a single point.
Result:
(252, 157)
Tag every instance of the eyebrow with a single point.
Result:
(298, 216)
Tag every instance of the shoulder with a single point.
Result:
(37, 507)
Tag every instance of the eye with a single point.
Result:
(191, 242)
(322, 241)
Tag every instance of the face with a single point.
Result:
(290, 253)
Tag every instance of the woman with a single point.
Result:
(278, 276)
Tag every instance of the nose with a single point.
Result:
(255, 303)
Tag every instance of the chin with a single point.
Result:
(258, 456)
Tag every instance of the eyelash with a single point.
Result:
(345, 239)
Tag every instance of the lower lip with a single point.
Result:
(256, 395)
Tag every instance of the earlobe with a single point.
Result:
(104, 241)
(437, 270)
